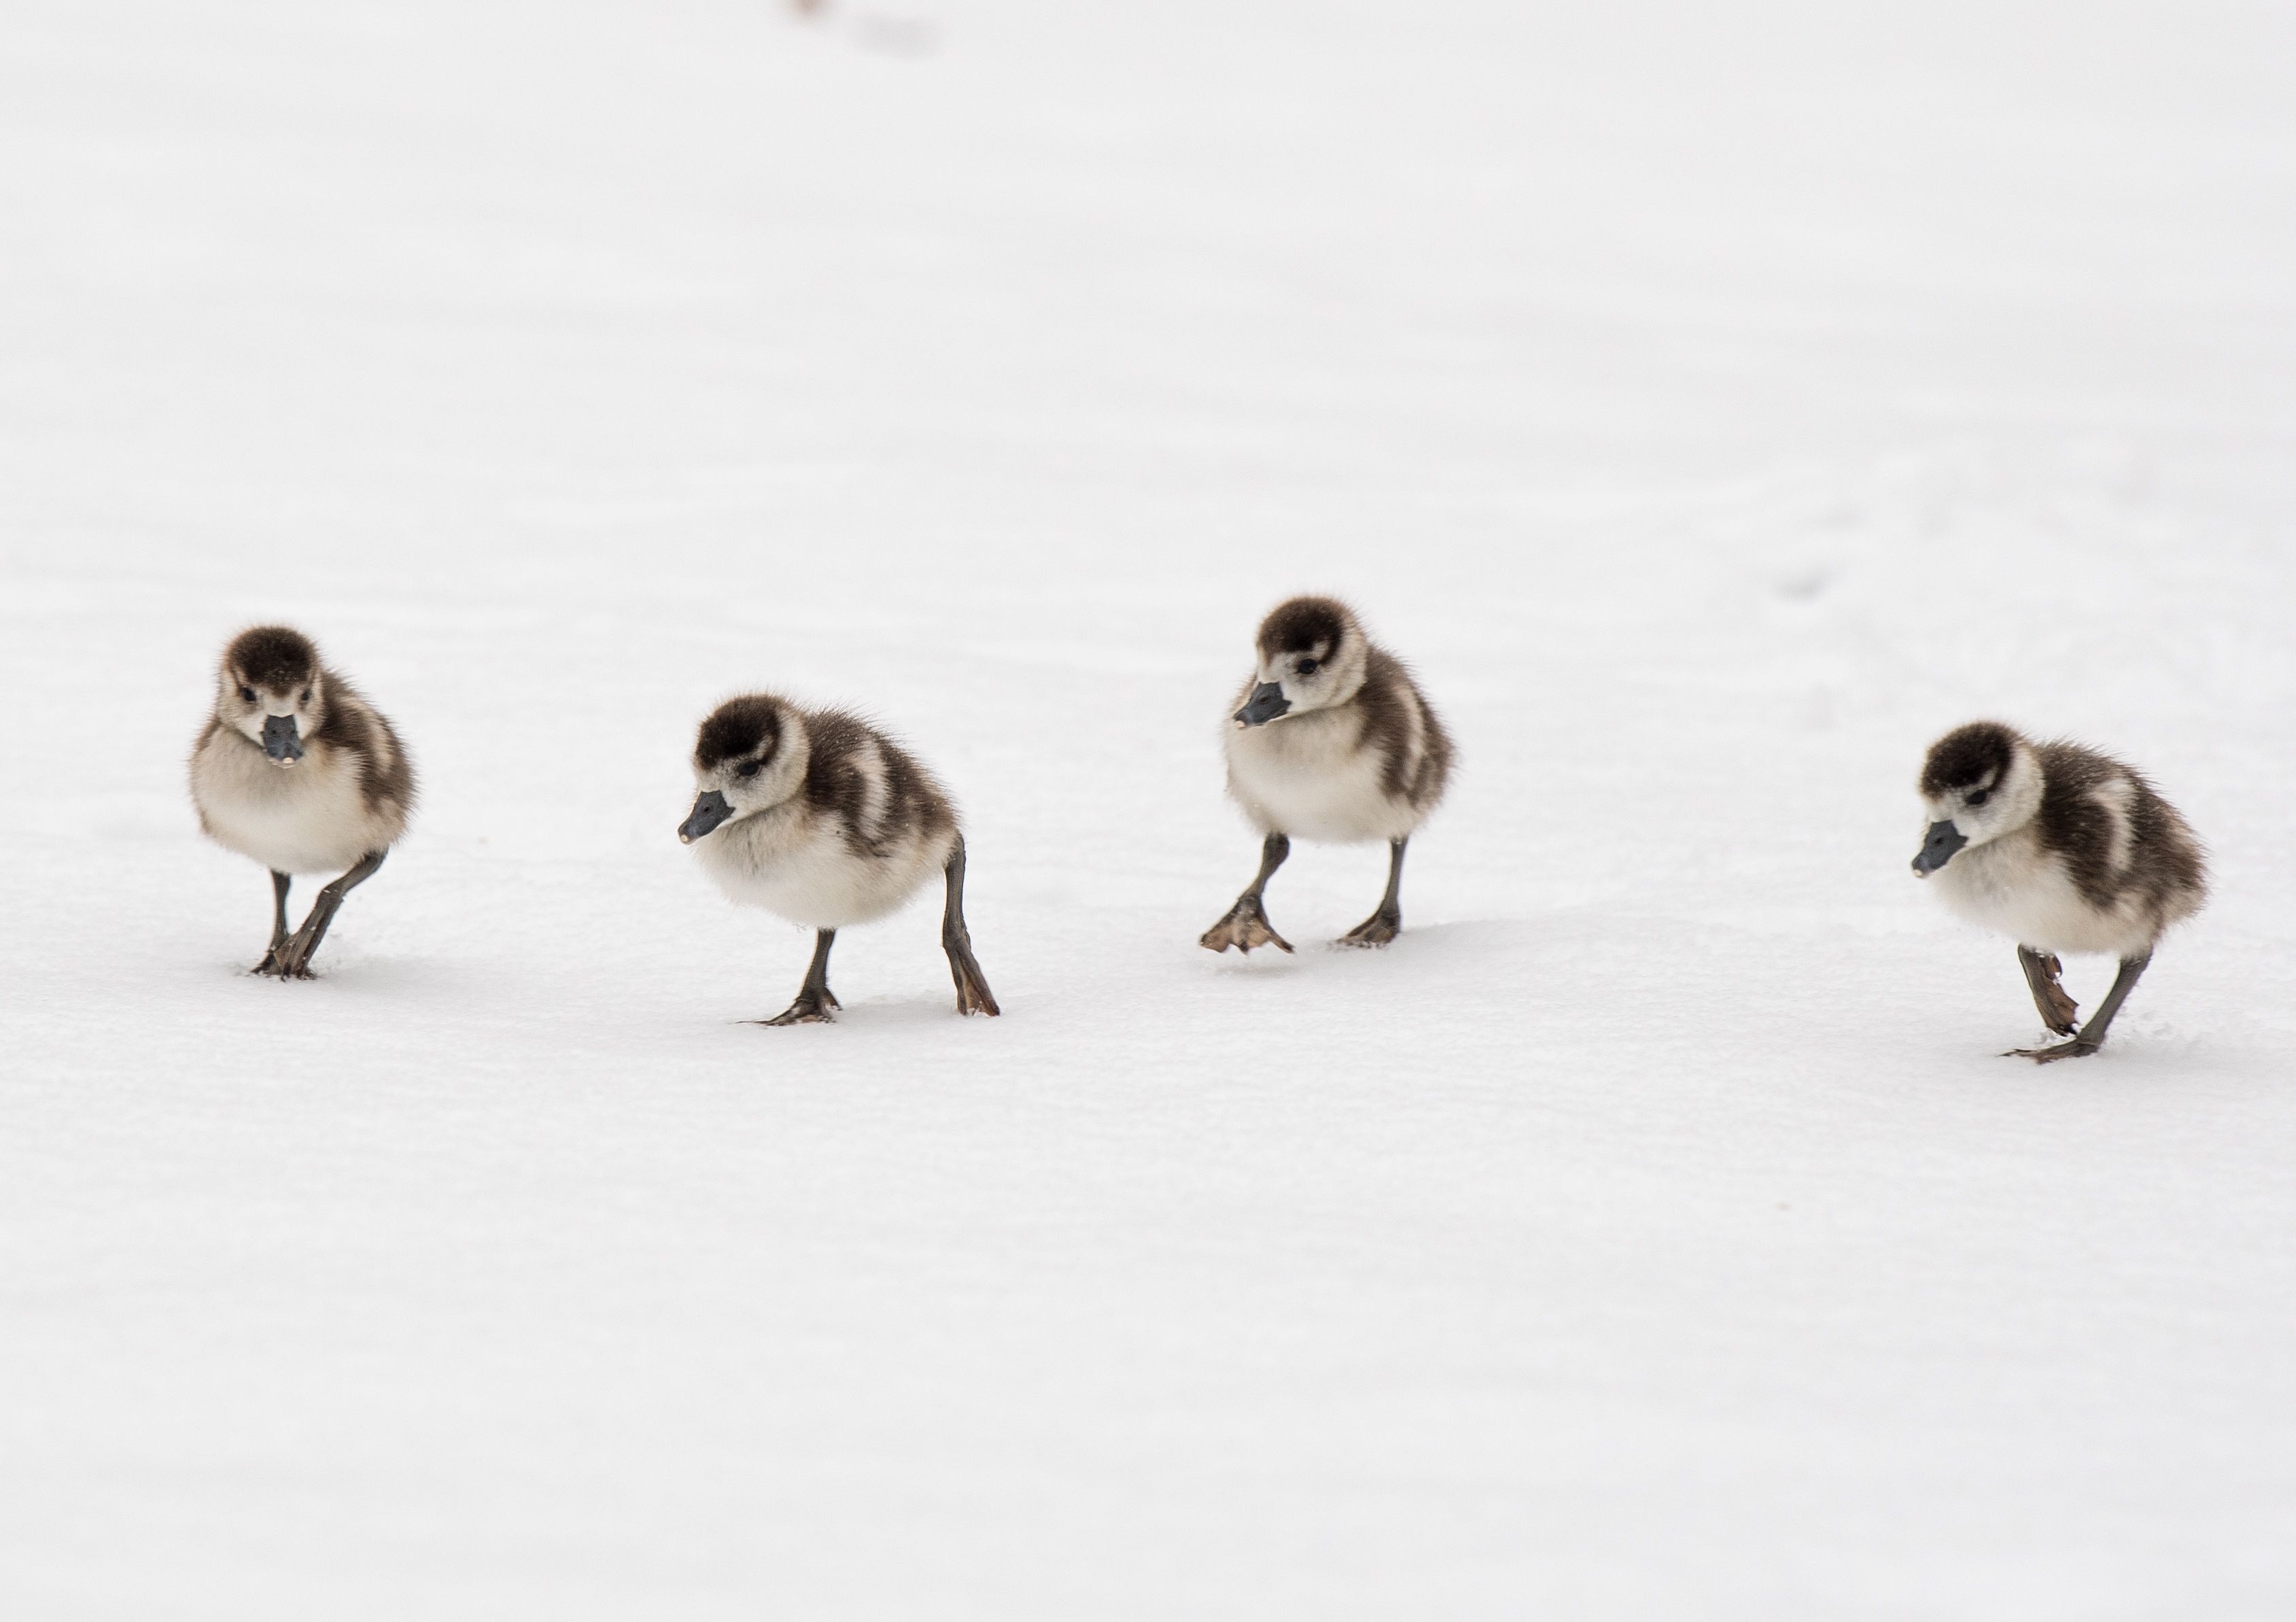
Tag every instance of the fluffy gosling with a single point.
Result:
(820, 818)
(2061, 849)
(1331, 741)
(297, 770)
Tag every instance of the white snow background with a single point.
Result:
(1714, 404)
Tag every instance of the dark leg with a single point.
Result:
(973, 993)
(1246, 924)
(2041, 970)
(1386, 923)
(814, 1005)
(2092, 1036)
(295, 957)
(279, 883)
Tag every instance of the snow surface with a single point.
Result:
(1714, 407)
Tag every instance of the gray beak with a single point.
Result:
(280, 740)
(1938, 849)
(709, 810)
(1266, 702)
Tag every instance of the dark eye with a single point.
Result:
(1307, 667)
(247, 695)
(307, 695)
(1980, 797)
(748, 768)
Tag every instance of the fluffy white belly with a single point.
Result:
(2028, 897)
(802, 871)
(306, 818)
(1306, 778)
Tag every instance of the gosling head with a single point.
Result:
(270, 690)
(749, 757)
(1312, 656)
(1980, 782)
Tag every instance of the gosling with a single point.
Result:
(1331, 741)
(2062, 850)
(820, 818)
(297, 770)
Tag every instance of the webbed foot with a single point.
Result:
(2057, 1010)
(2080, 1047)
(810, 1009)
(289, 960)
(1246, 926)
(973, 993)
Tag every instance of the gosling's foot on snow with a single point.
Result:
(1375, 931)
(2079, 1047)
(290, 959)
(274, 965)
(811, 1008)
(295, 958)
(973, 993)
(1245, 927)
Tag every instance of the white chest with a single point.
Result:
(306, 818)
(1308, 777)
(798, 866)
(2013, 887)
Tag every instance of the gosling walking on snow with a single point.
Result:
(818, 817)
(2062, 850)
(296, 769)
(1331, 741)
